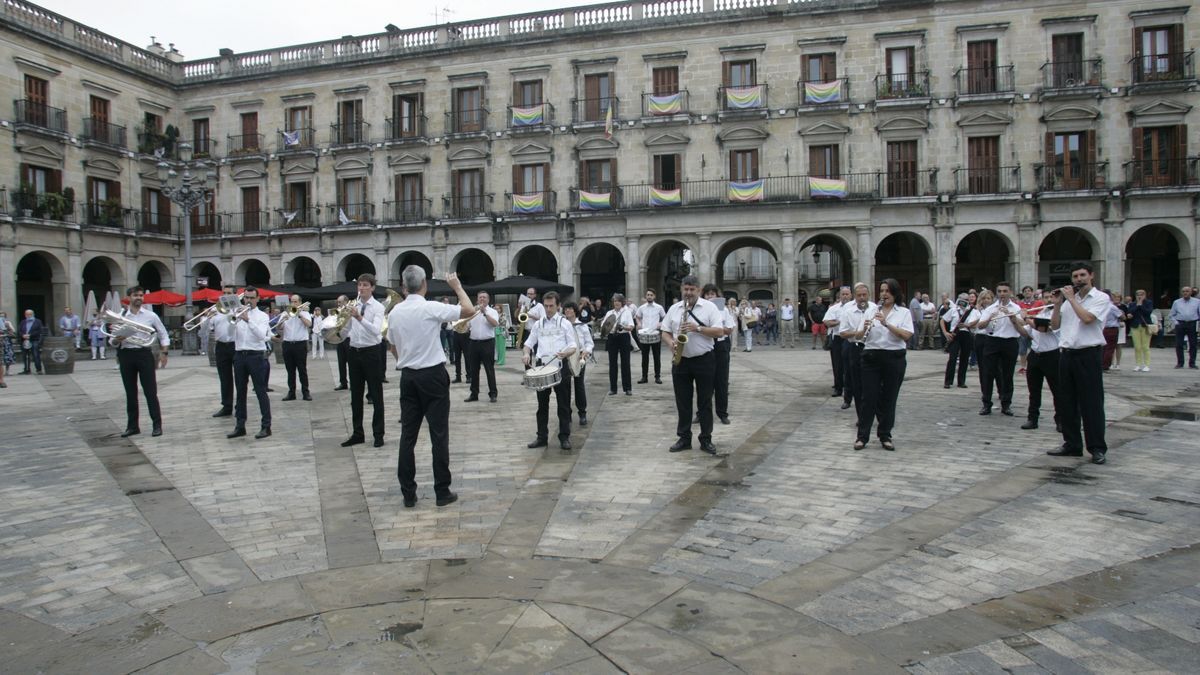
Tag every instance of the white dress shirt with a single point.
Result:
(368, 330)
(624, 319)
(852, 319)
(583, 337)
(833, 315)
(294, 329)
(651, 315)
(222, 327)
(147, 317)
(1074, 333)
(704, 314)
(415, 330)
(1042, 341)
(928, 310)
(479, 326)
(318, 324)
(728, 320)
(536, 312)
(996, 323)
(251, 335)
(960, 316)
(880, 337)
(550, 336)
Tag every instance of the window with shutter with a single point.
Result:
(1159, 56)
(409, 196)
(820, 67)
(467, 194)
(666, 172)
(1162, 156)
(250, 212)
(900, 70)
(598, 92)
(350, 126)
(983, 164)
(599, 175)
(1069, 162)
(468, 112)
(527, 93)
(902, 169)
(740, 73)
(665, 81)
(37, 98)
(249, 139)
(1067, 68)
(823, 161)
(743, 165)
(201, 144)
(981, 67)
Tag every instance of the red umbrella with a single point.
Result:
(206, 295)
(264, 293)
(164, 298)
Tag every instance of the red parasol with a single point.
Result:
(164, 298)
(206, 295)
(264, 294)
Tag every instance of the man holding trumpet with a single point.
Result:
(137, 364)
(695, 371)
(294, 327)
(481, 349)
(250, 332)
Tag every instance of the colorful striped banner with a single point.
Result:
(666, 197)
(827, 187)
(823, 92)
(743, 98)
(527, 117)
(594, 201)
(531, 203)
(749, 191)
(670, 104)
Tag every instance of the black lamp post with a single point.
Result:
(188, 191)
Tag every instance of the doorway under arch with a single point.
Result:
(304, 271)
(35, 286)
(1152, 264)
(981, 260)
(903, 256)
(474, 267)
(667, 262)
(1058, 250)
(601, 271)
(537, 261)
(254, 273)
(354, 265)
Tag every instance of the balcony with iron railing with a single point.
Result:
(406, 127)
(466, 206)
(298, 218)
(902, 184)
(467, 122)
(1071, 177)
(154, 142)
(665, 107)
(538, 117)
(594, 111)
(43, 206)
(750, 100)
(109, 213)
(903, 87)
(531, 204)
(823, 94)
(407, 211)
(297, 140)
(40, 115)
(738, 271)
(984, 83)
(351, 214)
(1159, 71)
(155, 222)
(772, 189)
(596, 199)
(203, 148)
(1161, 173)
(245, 145)
(1077, 77)
(988, 180)
(204, 225)
(349, 134)
(245, 222)
(101, 131)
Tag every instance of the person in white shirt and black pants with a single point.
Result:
(583, 338)
(722, 347)
(250, 332)
(849, 329)
(223, 330)
(414, 329)
(552, 339)
(1000, 353)
(296, 334)
(481, 349)
(619, 344)
(137, 364)
(700, 321)
(885, 338)
(956, 328)
(365, 365)
(649, 315)
(1041, 366)
(1079, 311)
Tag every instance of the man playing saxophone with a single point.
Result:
(694, 373)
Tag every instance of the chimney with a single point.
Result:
(173, 54)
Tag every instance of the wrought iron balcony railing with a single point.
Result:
(1163, 68)
(45, 205)
(349, 133)
(106, 214)
(539, 116)
(245, 222)
(407, 210)
(101, 131)
(1078, 176)
(298, 218)
(665, 105)
(410, 126)
(745, 98)
(40, 115)
(1161, 173)
(824, 92)
(902, 85)
(530, 203)
(981, 81)
(469, 121)
(593, 110)
(245, 144)
(1071, 75)
(297, 139)
(466, 206)
(903, 184)
(352, 213)
(988, 180)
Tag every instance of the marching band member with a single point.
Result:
(849, 329)
(956, 328)
(1079, 311)
(1000, 353)
(619, 345)
(343, 347)
(832, 317)
(365, 367)
(648, 316)
(223, 328)
(251, 327)
(532, 307)
(552, 338)
(885, 338)
(137, 363)
(723, 347)
(583, 337)
(414, 328)
(297, 327)
(979, 333)
(695, 374)
(1041, 364)
(482, 347)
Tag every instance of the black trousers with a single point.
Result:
(960, 357)
(852, 373)
(253, 367)
(694, 377)
(383, 360)
(482, 352)
(225, 373)
(138, 365)
(882, 374)
(1184, 330)
(562, 398)
(457, 345)
(580, 390)
(722, 349)
(619, 345)
(33, 354)
(654, 348)
(295, 360)
(999, 360)
(835, 357)
(424, 395)
(343, 354)
(1081, 393)
(1042, 366)
(365, 373)
(980, 343)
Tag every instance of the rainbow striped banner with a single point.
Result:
(531, 203)
(594, 201)
(666, 197)
(827, 187)
(743, 98)
(669, 104)
(528, 117)
(749, 191)
(822, 92)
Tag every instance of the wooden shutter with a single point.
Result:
(612, 170)
(1138, 148)
(517, 91)
(733, 174)
(1180, 150)
(518, 179)
(829, 67)
(678, 161)
(1091, 175)
(658, 160)
(754, 164)
(37, 90)
(1137, 44)
(726, 73)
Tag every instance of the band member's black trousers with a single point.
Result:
(138, 364)
(960, 357)
(250, 366)
(852, 373)
(1042, 366)
(343, 354)
(721, 380)
(562, 398)
(1081, 393)
(835, 358)
(694, 377)
(999, 360)
(882, 373)
(654, 348)
(619, 345)
(981, 340)
(225, 373)
(365, 373)
(424, 395)
(457, 348)
(482, 352)
(581, 390)
(295, 360)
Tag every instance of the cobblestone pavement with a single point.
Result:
(967, 550)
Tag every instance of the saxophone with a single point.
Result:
(681, 337)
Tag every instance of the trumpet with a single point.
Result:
(288, 314)
(463, 325)
(522, 318)
(333, 333)
(681, 338)
(115, 326)
(222, 306)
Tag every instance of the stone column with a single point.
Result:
(787, 273)
(566, 254)
(944, 262)
(383, 266)
(74, 280)
(8, 263)
(1027, 262)
(440, 236)
(635, 271)
(864, 261)
(1112, 275)
(706, 267)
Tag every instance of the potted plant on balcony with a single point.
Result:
(57, 204)
(169, 140)
(26, 198)
(109, 213)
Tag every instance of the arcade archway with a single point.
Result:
(100, 276)
(666, 263)
(981, 260)
(254, 273)
(537, 261)
(903, 256)
(410, 258)
(303, 271)
(823, 261)
(1058, 250)
(474, 267)
(747, 266)
(209, 272)
(1152, 264)
(36, 274)
(354, 265)
(601, 271)
(153, 276)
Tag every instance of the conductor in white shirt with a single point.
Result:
(137, 363)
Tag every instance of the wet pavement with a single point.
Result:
(966, 550)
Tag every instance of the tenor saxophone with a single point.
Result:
(681, 337)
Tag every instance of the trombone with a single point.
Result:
(221, 306)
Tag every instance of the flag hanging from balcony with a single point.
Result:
(670, 104)
(748, 191)
(822, 92)
(289, 216)
(608, 124)
(291, 138)
(666, 197)
(526, 204)
(594, 201)
(744, 98)
(528, 117)
(827, 187)
(343, 218)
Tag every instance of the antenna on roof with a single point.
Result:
(443, 15)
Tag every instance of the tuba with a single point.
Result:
(681, 338)
(116, 326)
(341, 316)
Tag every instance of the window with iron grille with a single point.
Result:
(468, 113)
(597, 91)
(406, 113)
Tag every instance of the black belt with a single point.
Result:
(1069, 350)
(135, 349)
(296, 342)
(707, 353)
(417, 370)
(251, 351)
(363, 349)
(486, 339)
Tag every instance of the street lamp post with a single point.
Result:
(188, 191)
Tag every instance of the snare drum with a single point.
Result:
(649, 336)
(543, 377)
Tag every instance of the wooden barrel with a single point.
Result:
(58, 355)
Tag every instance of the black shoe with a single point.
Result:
(1101, 457)
(643, 381)
(157, 430)
(379, 441)
(1193, 367)
(724, 419)
(836, 394)
(341, 387)
(537, 443)
(353, 440)
(1031, 424)
(290, 397)
(565, 444)
(410, 501)
(470, 399)
(385, 380)
(492, 399)
(1177, 367)
(613, 392)
(1064, 451)
(657, 380)
(1057, 428)
(370, 399)
(945, 386)
(985, 410)
(707, 446)
(263, 433)
(307, 397)
(628, 393)
(845, 404)
(582, 420)
(270, 390)
(962, 386)
(1006, 411)
(237, 432)
(224, 412)
(681, 445)
(131, 431)
(446, 499)
(457, 380)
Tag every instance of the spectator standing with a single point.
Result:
(914, 306)
(816, 319)
(1184, 313)
(1141, 313)
(32, 331)
(70, 326)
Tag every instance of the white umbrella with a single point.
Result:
(89, 307)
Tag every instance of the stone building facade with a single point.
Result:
(948, 143)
